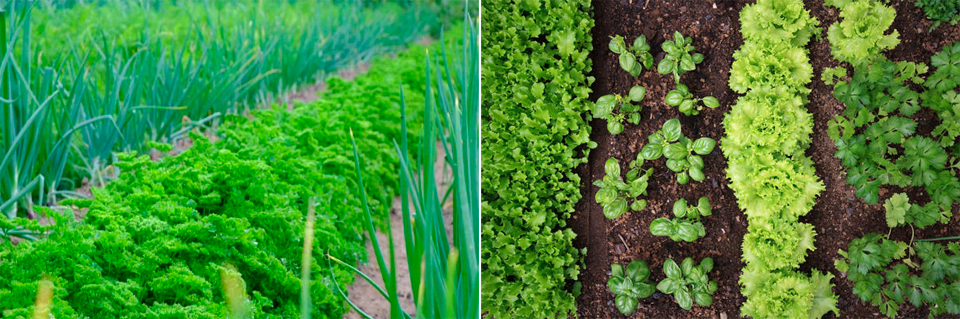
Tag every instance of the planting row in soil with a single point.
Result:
(838, 217)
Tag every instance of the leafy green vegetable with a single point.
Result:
(155, 242)
(884, 273)
(679, 59)
(940, 11)
(778, 21)
(682, 98)
(859, 38)
(686, 226)
(761, 65)
(626, 110)
(767, 133)
(679, 150)
(630, 285)
(688, 283)
(634, 58)
(535, 132)
(614, 192)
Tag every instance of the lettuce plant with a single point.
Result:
(688, 283)
(624, 106)
(860, 38)
(614, 192)
(778, 21)
(762, 65)
(686, 226)
(688, 105)
(682, 153)
(630, 285)
(634, 58)
(679, 58)
(768, 131)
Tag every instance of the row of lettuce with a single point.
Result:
(767, 133)
(882, 145)
(535, 106)
(164, 238)
(148, 71)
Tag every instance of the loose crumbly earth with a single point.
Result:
(838, 217)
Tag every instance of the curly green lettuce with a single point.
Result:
(770, 188)
(778, 21)
(767, 65)
(778, 245)
(787, 294)
(767, 121)
(860, 37)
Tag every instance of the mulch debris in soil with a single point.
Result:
(839, 216)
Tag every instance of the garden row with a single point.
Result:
(881, 144)
(896, 139)
(73, 93)
(535, 132)
(186, 235)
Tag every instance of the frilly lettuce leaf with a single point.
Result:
(765, 65)
(767, 121)
(778, 21)
(860, 37)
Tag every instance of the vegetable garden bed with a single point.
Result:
(838, 217)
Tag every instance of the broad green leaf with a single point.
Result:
(673, 98)
(626, 304)
(696, 174)
(605, 106)
(680, 208)
(612, 167)
(661, 227)
(675, 151)
(651, 151)
(637, 93)
(704, 145)
(627, 61)
(684, 298)
(711, 102)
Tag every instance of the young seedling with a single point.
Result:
(613, 193)
(635, 58)
(687, 104)
(688, 283)
(630, 285)
(679, 59)
(686, 226)
(679, 151)
(626, 110)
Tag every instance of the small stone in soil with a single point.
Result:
(710, 16)
(618, 249)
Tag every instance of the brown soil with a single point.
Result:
(838, 217)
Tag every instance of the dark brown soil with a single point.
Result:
(838, 217)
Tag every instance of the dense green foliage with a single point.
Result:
(682, 153)
(535, 106)
(940, 11)
(686, 226)
(630, 285)
(688, 282)
(885, 273)
(879, 143)
(614, 191)
(767, 132)
(155, 241)
(78, 92)
(860, 37)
